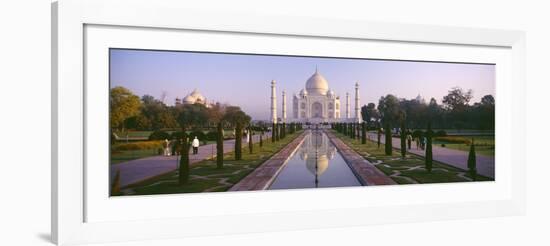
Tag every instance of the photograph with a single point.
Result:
(202, 122)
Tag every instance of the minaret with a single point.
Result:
(348, 106)
(357, 109)
(284, 107)
(273, 102)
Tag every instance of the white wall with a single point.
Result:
(25, 136)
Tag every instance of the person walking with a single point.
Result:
(423, 143)
(166, 148)
(195, 145)
(409, 139)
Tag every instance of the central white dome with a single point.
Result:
(317, 84)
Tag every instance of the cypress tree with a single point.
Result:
(184, 161)
(115, 187)
(273, 132)
(345, 129)
(403, 139)
(261, 138)
(277, 133)
(409, 139)
(472, 161)
(238, 141)
(219, 146)
(388, 143)
(363, 133)
(429, 154)
(250, 143)
(379, 136)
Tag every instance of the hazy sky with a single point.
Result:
(244, 80)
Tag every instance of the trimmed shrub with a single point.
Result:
(177, 135)
(429, 153)
(159, 135)
(417, 134)
(441, 133)
(199, 134)
(137, 145)
(472, 161)
(454, 140)
(211, 136)
(219, 146)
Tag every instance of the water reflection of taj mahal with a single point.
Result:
(317, 151)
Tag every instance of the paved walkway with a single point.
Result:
(366, 172)
(456, 158)
(263, 176)
(141, 169)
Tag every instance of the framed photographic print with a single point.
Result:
(172, 123)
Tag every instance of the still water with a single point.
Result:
(316, 163)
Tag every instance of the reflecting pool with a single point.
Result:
(316, 163)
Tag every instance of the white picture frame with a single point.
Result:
(72, 204)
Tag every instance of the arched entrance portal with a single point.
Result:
(316, 110)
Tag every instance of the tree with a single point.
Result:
(429, 154)
(250, 142)
(157, 113)
(364, 133)
(139, 122)
(123, 105)
(115, 186)
(273, 132)
(390, 112)
(369, 112)
(379, 135)
(488, 100)
(472, 161)
(219, 145)
(457, 98)
(188, 116)
(239, 119)
(388, 141)
(389, 109)
(277, 132)
(403, 139)
(261, 139)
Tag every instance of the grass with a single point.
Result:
(409, 170)
(206, 177)
(128, 155)
(485, 145)
(121, 152)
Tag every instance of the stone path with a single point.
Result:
(366, 172)
(142, 169)
(456, 158)
(262, 177)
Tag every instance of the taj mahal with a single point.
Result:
(316, 103)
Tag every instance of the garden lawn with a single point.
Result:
(128, 155)
(409, 170)
(206, 177)
(485, 145)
